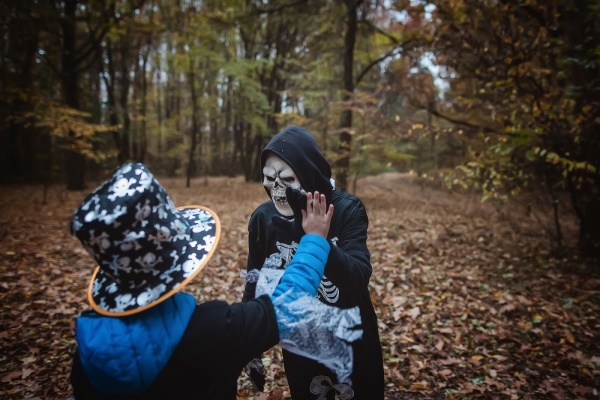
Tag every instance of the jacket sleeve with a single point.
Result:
(349, 263)
(221, 335)
(255, 325)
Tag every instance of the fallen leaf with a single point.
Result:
(440, 345)
(414, 312)
(569, 336)
(9, 376)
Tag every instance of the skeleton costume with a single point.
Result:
(143, 338)
(300, 164)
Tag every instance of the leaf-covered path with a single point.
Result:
(471, 305)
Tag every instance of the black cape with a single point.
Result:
(347, 272)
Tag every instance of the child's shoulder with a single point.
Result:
(265, 209)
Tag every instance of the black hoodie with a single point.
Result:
(299, 150)
(347, 272)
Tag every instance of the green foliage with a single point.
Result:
(377, 158)
(532, 83)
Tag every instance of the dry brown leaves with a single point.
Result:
(471, 304)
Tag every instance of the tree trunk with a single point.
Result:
(193, 132)
(20, 144)
(579, 44)
(343, 164)
(227, 132)
(124, 96)
(75, 161)
(159, 110)
(109, 81)
(144, 134)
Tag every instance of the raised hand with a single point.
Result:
(316, 218)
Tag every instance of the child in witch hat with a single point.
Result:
(144, 338)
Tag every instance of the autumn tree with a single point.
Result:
(526, 74)
(22, 152)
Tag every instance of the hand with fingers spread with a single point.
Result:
(316, 218)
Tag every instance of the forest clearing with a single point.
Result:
(422, 108)
(471, 304)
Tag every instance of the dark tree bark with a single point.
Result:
(343, 164)
(110, 78)
(143, 149)
(75, 161)
(228, 130)
(79, 51)
(194, 131)
(125, 84)
(19, 147)
(580, 41)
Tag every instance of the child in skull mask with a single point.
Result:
(292, 160)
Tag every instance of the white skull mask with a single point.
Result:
(277, 177)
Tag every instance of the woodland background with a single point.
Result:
(464, 100)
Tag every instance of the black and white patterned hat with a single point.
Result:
(146, 248)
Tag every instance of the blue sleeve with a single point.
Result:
(304, 273)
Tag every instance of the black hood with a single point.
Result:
(296, 146)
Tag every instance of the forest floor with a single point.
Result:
(470, 300)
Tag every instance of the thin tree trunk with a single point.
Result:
(193, 132)
(343, 165)
(109, 81)
(228, 131)
(124, 97)
(144, 106)
(159, 110)
(75, 161)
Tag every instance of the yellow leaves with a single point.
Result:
(566, 164)
(68, 125)
(537, 319)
